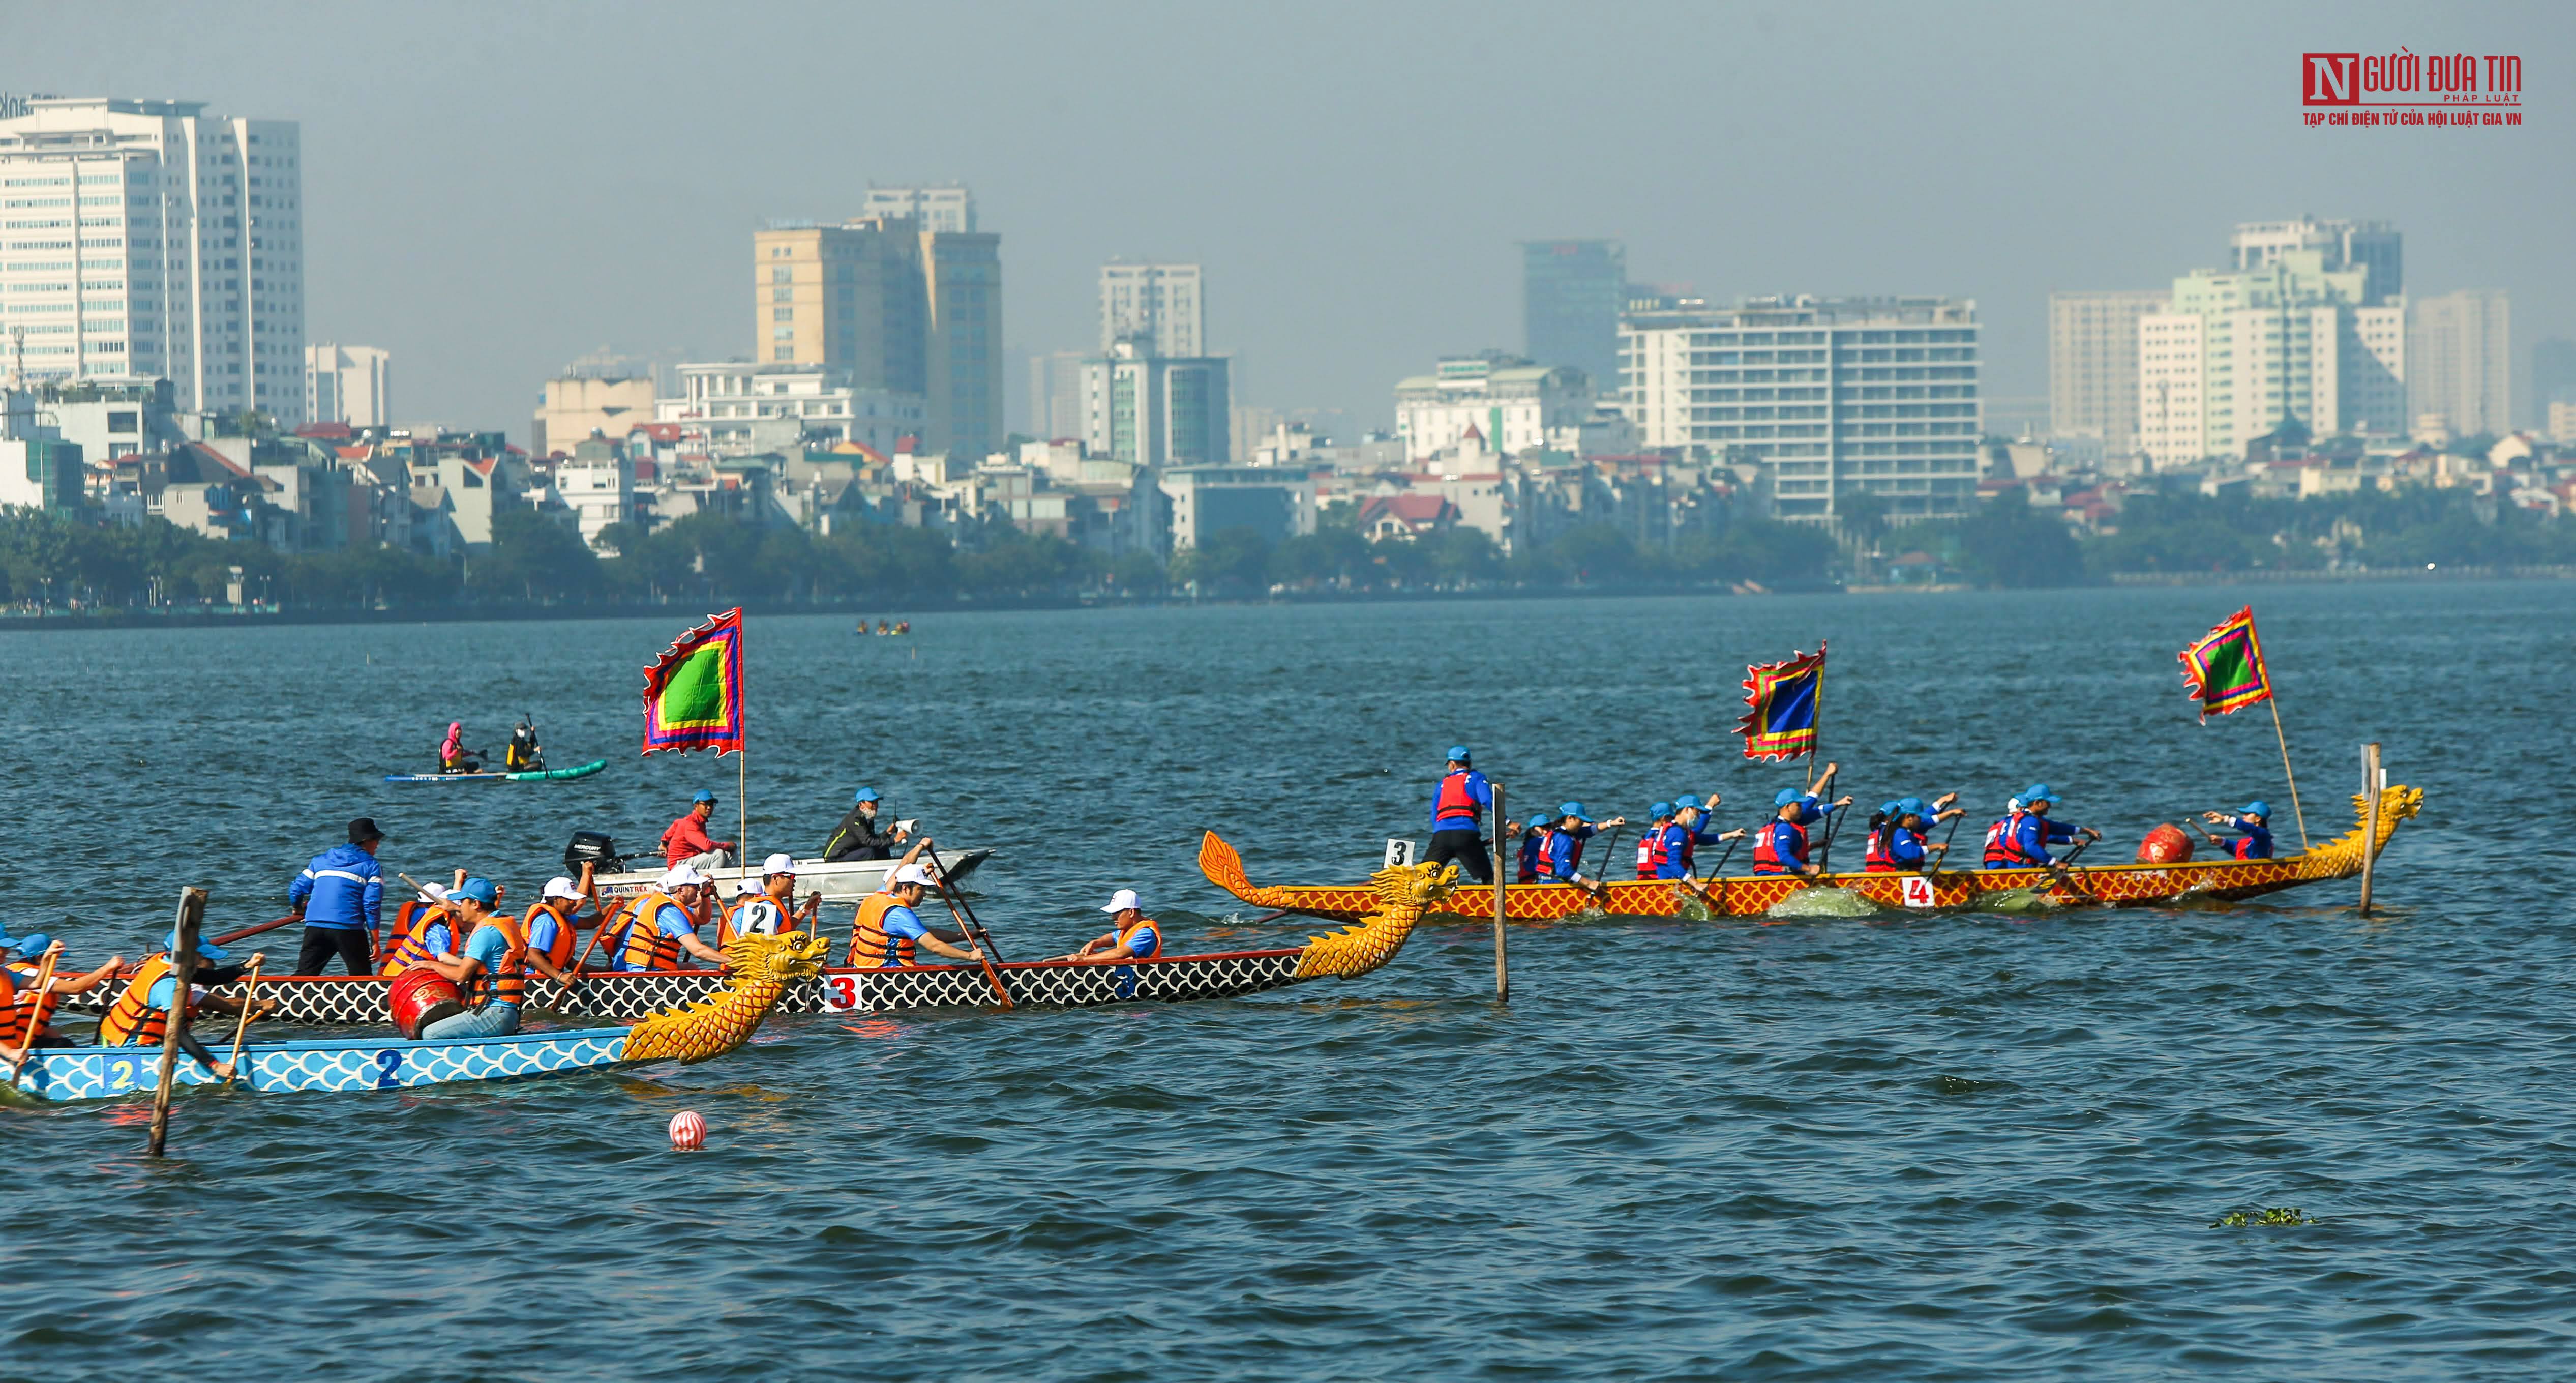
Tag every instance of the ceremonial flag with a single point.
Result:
(2224, 670)
(693, 696)
(1782, 721)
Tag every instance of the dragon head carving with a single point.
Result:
(784, 958)
(1404, 892)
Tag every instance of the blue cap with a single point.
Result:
(1661, 809)
(703, 796)
(1458, 753)
(479, 889)
(31, 945)
(2257, 807)
(864, 795)
(1541, 821)
(8, 943)
(1787, 797)
(1570, 809)
(1909, 806)
(205, 948)
(2038, 792)
(1691, 799)
(1892, 807)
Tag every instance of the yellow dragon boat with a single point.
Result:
(1754, 895)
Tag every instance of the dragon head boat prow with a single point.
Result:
(2341, 856)
(761, 969)
(1404, 892)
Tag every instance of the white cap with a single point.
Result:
(681, 875)
(780, 863)
(561, 887)
(911, 874)
(1122, 900)
(436, 893)
(742, 887)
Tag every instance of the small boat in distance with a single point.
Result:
(540, 775)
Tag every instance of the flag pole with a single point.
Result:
(1816, 745)
(2277, 733)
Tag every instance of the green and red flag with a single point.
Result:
(1781, 723)
(2224, 669)
(693, 695)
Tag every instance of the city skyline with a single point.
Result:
(1361, 261)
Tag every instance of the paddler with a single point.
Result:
(1536, 842)
(685, 841)
(1682, 837)
(453, 756)
(2252, 826)
(1131, 936)
(2022, 838)
(1780, 847)
(26, 957)
(662, 924)
(140, 1017)
(340, 895)
(886, 930)
(858, 837)
(21, 1002)
(496, 946)
(1457, 818)
(1896, 839)
(769, 911)
(428, 932)
(1564, 863)
(550, 925)
(1650, 846)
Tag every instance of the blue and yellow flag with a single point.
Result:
(2223, 670)
(1782, 721)
(693, 696)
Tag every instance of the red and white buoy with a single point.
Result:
(688, 1131)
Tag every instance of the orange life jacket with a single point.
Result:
(411, 950)
(1127, 939)
(131, 1020)
(509, 984)
(23, 1016)
(870, 942)
(643, 947)
(565, 942)
(732, 924)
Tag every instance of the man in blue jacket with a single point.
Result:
(1457, 818)
(340, 896)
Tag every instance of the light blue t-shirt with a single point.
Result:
(1145, 940)
(541, 934)
(673, 920)
(490, 947)
(904, 924)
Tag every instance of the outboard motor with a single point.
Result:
(595, 849)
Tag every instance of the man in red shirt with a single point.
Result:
(686, 841)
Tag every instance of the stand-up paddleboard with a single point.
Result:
(540, 775)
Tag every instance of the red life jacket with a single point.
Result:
(1766, 854)
(1876, 859)
(1534, 861)
(1651, 853)
(1690, 849)
(2003, 845)
(1455, 799)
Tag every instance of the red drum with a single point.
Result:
(2165, 844)
(422, 997)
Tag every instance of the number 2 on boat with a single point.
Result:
(387, 1063)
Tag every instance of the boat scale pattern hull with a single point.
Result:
(79, 1073)
(1757, 895)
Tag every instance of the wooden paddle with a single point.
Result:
(1932, 859)
(965, 915)
(228, 938)
(35, 1013)
(250, 1001)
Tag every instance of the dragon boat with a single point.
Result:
(1397, 899)
(1755, 895)
(711, 1023)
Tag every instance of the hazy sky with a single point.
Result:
(494, 190)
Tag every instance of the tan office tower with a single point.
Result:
(2093, 363)
(2459, 361)
(896, 307)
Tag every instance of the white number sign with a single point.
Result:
(1399, 852)
(1918, 891)
(840, 993)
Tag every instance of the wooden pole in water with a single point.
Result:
(1502, 965)
(35, 1026)
(183, 960)
(2370, 819)
(2302, 812)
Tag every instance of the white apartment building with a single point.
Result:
(2459, 360)
(1836, 396)
(2375, 246)
(949, 208)
(2093, 363)
(597, 482)
(2236, 354)
(149, 238)
(1510, 404)
(348, 384)
(744, 408)
(1163, 307)
(1157, 411)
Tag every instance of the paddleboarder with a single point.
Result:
(340, 897)
(453, 756)
(1457, 818)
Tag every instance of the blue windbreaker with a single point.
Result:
(342, 888)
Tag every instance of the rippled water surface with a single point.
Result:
(1961, 1147)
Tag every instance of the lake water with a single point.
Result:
(1953, 1147)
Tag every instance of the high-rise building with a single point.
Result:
(2553, 375)
(574, 405)
(2372, 245)
(1161, 306)
(1572, 292)
(1838, 396)
(947, 209)
(2459, 361)
(2238, 353)
(2093, 363)
(1055, 394)
(348, 384)
(149, 238)
(898, 308)
(1153, 410)
(1510, 404)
